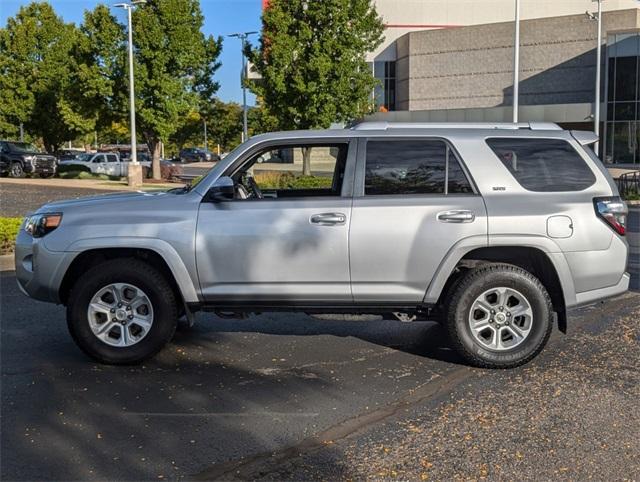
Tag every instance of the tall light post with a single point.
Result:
(134, 171)
(596, 110)
(206, 144)
(516, 63)
(243, 39)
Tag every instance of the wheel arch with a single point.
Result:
(549, 267)
(169, 264)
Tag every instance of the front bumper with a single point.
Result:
(39, 168)
(39, 271)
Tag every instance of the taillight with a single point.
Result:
(613, 211)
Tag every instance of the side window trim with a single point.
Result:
(359, 180)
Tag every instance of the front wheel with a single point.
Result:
(122, 311)
(499, 316)
(16, 170)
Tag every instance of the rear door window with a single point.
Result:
(413, 167)
(543, 165)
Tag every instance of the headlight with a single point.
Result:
(30, 159)
(39, 225)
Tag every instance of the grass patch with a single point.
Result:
(87, 175)
(9, 228)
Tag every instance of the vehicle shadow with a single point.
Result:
(420, 338)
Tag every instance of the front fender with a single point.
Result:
(187, 285)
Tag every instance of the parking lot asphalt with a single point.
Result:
(288, 396)
(17, 200)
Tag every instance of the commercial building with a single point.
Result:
(452, 60)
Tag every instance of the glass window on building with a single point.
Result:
(623, 99)
(385, 92)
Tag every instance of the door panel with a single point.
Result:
(271, 250)
(398, 242)
(414, 202)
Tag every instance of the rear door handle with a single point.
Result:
(328, 219)
(459, 216)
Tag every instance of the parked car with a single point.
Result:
(67, 154)
(108, 163)
(20, 158)
(196, 154)
(493, 230)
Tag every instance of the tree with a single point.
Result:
(174, 68)
(36, 66)
(97, 96)
(311, 59)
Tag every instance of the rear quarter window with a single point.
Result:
(543, 165)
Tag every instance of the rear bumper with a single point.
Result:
(588, 297)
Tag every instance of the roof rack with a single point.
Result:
(383, 126)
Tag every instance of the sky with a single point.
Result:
(221, 17)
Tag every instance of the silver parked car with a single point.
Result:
(495, 231)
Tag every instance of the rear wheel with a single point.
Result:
(122, 311)
(499, 316)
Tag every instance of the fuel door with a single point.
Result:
(559, 227)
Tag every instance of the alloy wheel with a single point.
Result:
(500, 319)
(120, 314)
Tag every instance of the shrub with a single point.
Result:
(65, 168)
(8, 231)
(170, 172)
(167, 172)
(288, 180)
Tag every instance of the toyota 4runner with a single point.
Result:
(495, 231)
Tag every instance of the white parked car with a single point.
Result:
(108, 163)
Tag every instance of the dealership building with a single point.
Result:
(452, 60)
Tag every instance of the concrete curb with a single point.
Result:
(7, 262)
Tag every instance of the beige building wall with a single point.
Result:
(472, 67)
(404, 16)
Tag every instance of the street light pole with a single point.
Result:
(596, 115)
(516, 64)
(134, 171)
(206, 144)
(243, 39)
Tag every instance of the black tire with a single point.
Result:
(137, 273)
(472, 285)
(16, 170)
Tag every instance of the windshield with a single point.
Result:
(84, 157)
(23, 147)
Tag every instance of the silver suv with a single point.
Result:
(495, 231)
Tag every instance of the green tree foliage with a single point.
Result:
(97, 97)
(36, 69)
(224, 126)
(174, 68)
(312, 61)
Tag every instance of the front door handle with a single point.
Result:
(459, 216)
(328, 219)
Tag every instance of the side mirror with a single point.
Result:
(222, 190)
